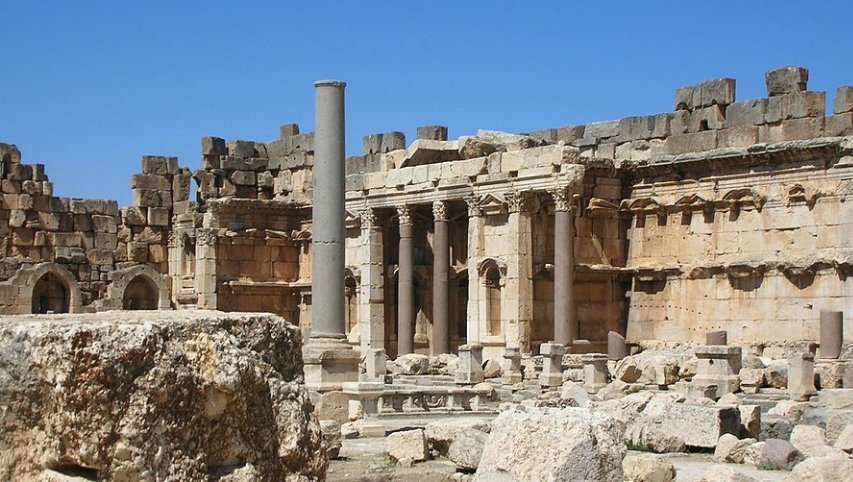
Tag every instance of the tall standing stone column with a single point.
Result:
(329, 361)
(405, 284)
(327, 245)
(519, 269)
(564, 268)
(440, 291)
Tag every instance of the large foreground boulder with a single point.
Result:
(155, 396)
(550, 444)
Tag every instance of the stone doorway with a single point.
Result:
(50, 295)
(141, 294)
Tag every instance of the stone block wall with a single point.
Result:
(81, 243)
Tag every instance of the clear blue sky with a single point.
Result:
(89, 87)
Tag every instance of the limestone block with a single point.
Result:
(158, 216)
(570, 444)
(801, 376)
(239, 148)
(104, 224)
(786, 80)
(647, 468)
(811, 441)
(779, 455)
(435, 133)
(569, 134)
(601, 130)
(684, 98)
(137, 252)
(632, 128)
(832, 468)
(705, 118)
(750, 420)
(845, 439)
(795, 106)
(150, 181)
(17, 218)
(714, 92)
(837, 399)
(698, 425)
(466, 449)
(839, 125)
(440, 433)
(843, 101)
(740, 136)
(147, 198)
(746, 112)
(160, 165)
(152, 359)
(691, 142)
(408, 445)
(213, 146)
(732, 450)
(244, 178)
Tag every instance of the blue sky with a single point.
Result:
(89, 87)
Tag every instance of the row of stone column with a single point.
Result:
(564, 314)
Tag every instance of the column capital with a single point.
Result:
(439, 211)
(562, 198)
(517, 202)
(206, 237)
(368, 217)
(474, 207)
(404, 213)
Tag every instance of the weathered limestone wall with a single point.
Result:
(757, 248)
(78, 247)
(186, 395)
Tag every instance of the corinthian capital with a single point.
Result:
(404, 213)
(439, 211)
(562, 199)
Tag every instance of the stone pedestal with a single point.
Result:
(364, 399)
(720, 337)
(328, 363)
(374, 366)
(470, 370)
(595, 374)
(552, 364)
(512, 373)
(617, 349)
(831, 333)
(801, 377)
(719, 365)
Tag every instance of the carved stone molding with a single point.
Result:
(598, 207)
(517, 202)
(562, 199)
(206, 237)
(474, 207)
(797, 193)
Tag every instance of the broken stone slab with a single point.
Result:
(433, 133)
(845, 439)
(786, 80)
(440, 433)
(236, 377)
(836, 398)
(617, 349)
(801, 377)
(569, 444)
(408, 446)
(466, 449)
(719, 473)
(811, 441)
(731, 449)
(698, 425)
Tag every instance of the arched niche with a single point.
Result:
(138, 288)
(47, 287)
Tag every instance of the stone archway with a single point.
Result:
(50, 295)
(140, 294)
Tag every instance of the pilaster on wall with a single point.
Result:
(475, 253)
(518, 301)
(372, 296)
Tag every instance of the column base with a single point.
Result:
(329, 363)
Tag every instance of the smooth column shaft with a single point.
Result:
(441, 299)
(405, 292)
(327, 264)
(564, 267)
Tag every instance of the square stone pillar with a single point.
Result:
(595, 373)
(512, 373)
(552, 364)
(372, 290)
(801, 377)
(374, 365)
(470, 370)
(517, 297)
(719, 365)
(205, 268)
(475, 248)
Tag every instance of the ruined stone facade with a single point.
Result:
(723, 214)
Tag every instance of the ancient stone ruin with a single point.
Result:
(667, 283)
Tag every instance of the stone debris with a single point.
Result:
(647, 468)
(569, 444)
(466, 448)
(811, 442)
(214, 390)
(731, 449)
(408, 446)
(830, 468)
(779, 455)
(729, 474)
